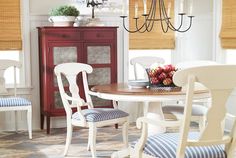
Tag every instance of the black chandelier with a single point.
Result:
(94, 4)
(164, 18)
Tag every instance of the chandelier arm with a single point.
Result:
(161, 5)
(144, 24)
(126, 27)
(148, 22)
(190, 25)
(171, 26)
(152, 13)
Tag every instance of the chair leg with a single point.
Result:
(125, 133)
(16, 124)
(88, 146)
(92, 139)
(68, 137)
(29, 121)
(202, 122)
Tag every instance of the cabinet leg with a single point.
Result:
(48, 124)
(41, 121)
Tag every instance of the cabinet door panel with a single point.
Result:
(98, 102)
(100, 76)
(64, 54)
(98, 54)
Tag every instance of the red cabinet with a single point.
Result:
(96, 46)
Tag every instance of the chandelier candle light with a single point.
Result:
(150, 17)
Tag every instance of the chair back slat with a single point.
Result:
(220, 80)
(4, 65)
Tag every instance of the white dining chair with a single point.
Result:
(12, 102)
(199, 107)
(91, 117)
(211, 141)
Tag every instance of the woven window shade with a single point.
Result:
(155, 39)
(228, 29)
(10, 25)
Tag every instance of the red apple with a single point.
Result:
(152, 73)
(162, 76)
(167, 81)
(173, 68)
(167, 68)
(159, 70)
(154, 80)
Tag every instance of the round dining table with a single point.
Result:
(155, 96)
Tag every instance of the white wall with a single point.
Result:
(196, 44)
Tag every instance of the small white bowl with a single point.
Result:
(138, 83)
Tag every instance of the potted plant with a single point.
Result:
(63, 15)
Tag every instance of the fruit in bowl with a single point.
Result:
(161, 75)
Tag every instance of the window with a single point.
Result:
(230, 56)
(163, 53)
(23, 74)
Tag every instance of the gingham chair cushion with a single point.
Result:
(100, 114)
(14, 101)
(165, 146)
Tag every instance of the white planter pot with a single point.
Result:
(62, 20)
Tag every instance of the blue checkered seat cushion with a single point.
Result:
(14, 101)
(165, 146)
(100, 114)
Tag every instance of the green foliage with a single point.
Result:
(65, 10)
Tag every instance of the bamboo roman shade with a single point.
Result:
(228, 30)
(10, 25)
(155, 39)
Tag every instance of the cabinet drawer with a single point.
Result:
(95, 35)
(62, 35)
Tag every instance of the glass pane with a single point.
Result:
(99, 54)
(99, 76)
(64, 55)
(100, 102)
(64, 80)
(57, 100)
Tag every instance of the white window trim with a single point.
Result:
(26, 57)
(219, 54)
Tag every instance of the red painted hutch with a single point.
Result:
(96, 46)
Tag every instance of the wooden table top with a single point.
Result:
(124, 89)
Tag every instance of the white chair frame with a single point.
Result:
(145, 62)
(212, 133)
(70, 71)
(5, 64)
